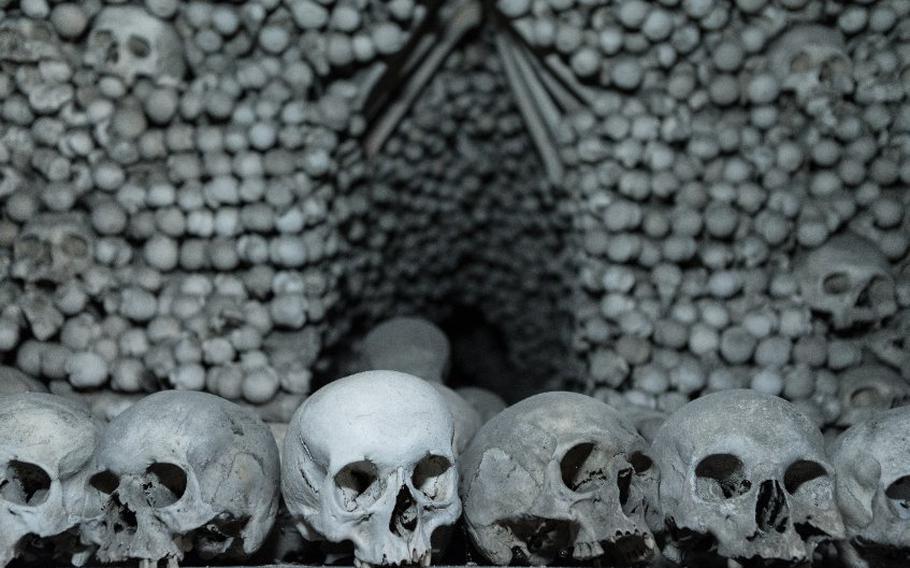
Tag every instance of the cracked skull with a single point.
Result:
(180, 471)
(129, 42)
(46, 445)
(744, 474)
(370, 459)
(53, 247)
(868, 389)
(557, 475)
(873, 484)
(849, 279)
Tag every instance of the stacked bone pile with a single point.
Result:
(374, 464)
(739, 171)
(172, 188)
(462, 216)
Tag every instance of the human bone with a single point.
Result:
(557, 476)
(745, 475)
(181, 471)
(370, 459)
(129, 42)
(410, 345)
(53, 247)
(811, 59)
(849, 279)
(868, 389)
(484, 401)
(14, 381)
(467, 419)
(872, 478)
(46, 446)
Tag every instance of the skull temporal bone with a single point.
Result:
(129, 42)
(46, 446)
(557, 474)
(179, 470)
(369, 459)
(748, 471)
(873, 481)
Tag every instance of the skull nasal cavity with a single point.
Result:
(404, 516)
(771, 509)
(24, 484)
(165, 484)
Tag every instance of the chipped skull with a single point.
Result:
(46, 446)
(873, 482)
(868, 389)
(558, 475)
(181, 471)
(129, 42)
(744, 474)
(812, 60)
(53, 247)
(381, 477)
(849, 279)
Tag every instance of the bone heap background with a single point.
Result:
(650, 201)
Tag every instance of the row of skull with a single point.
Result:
(375, 459)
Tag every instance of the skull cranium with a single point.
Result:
(557, 474)
(873, 485)
(53, 247)
(46, 445)
(129, 42)
(868, 389)
(369, 459)
(811, 59)
(849, 279)
(179, 471)
(744, 475)
(410, 345)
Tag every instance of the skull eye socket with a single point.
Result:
(138, 46)
(721, 476)
(866, 397)
(899, 491)
(165, 484)
(105, 482)
(836, 284)
(581, 473)
(429, 476)
(358, 484)
(24, 484)
(801, 472)
(33, 247)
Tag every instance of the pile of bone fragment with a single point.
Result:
(694, 212)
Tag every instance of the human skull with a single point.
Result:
(53, 247)
(873, 485)
(486, 402)
(849, 279)
(557, 475)
(129, 42)
(179, 471)
(744, 474)
(46, 445)
(467, 420)
(811, 59)
(869, 389)
(370, 459)
(410, 345)
(13, 381)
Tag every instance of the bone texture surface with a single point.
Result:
(215, 208)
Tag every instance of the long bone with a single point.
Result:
(430, 53)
